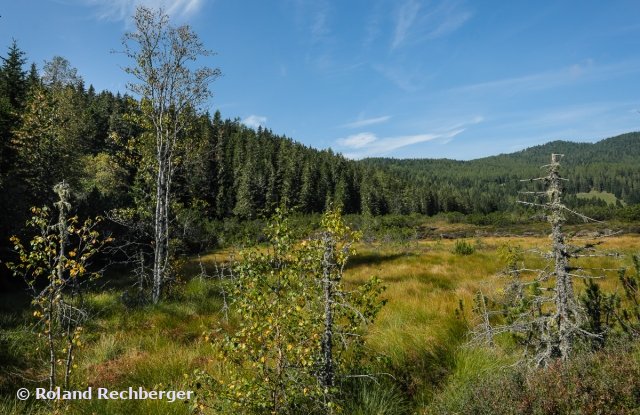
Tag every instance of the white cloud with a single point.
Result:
(449, 24)
(403, 77)
(372, 27)
(572, 121)
(313, 18)
(369, 145)
(357, 140)
(255, 121)
(320, 25)
(415, 24)
(367, 121)
(586, 71)
(383, 146)
(393, 143)
(124, 9)
(475, 120)
(406, 16)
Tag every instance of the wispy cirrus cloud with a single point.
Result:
(367, 121)
(368, 144)
(315, 22)
(320, 25)
(374, 20)
(124, 9)
(407, 14)
(255, 121)
(357, 140)
(406, 78)
(450, 23)
(313, 17)
(586, 71)
(573, 121)
(414, 23)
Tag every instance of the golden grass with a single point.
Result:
(426, 282)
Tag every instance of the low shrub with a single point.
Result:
(463, 247)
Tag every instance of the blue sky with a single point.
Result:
(404, 78)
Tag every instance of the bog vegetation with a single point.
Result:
(152, 244)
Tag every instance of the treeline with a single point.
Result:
(492, 184)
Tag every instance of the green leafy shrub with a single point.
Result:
(463, 247)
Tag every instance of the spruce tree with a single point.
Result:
(14, 77)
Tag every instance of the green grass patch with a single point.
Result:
(607, 197)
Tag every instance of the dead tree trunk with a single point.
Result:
(566, 307)
(63, 192)
(328, 267)
(548, 314)
(51, 342)
(558, 330)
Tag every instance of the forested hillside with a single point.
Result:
(492, 183)
(54, 128)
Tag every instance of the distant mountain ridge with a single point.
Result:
(491, 183)
(621, 148)
(625, 146)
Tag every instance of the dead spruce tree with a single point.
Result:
(169, 90)
(58, 256)
(334, 246)
(540, 305)
(565, 321)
